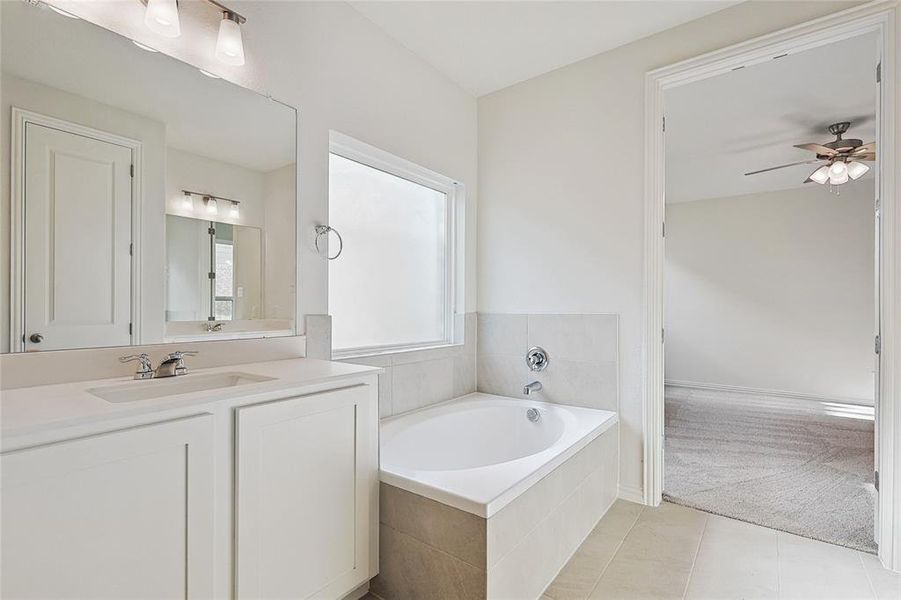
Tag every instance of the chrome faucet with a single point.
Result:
(145, 367)
(211, 327)
(174, 364)
(530, 388)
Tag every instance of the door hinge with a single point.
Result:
(211, 231)
(131, 249)
(130, 331)
(212, 275)
(131, 170)
(877, 346)
(663, 229)
(662, 335)
(878, 72)
(664, 123)
(876, 480)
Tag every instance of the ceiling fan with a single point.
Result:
(842, 158)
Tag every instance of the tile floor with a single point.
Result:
(637, 552)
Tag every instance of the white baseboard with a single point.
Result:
(631, 493)
(771, 399)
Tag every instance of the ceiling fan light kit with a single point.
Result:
(842, 157)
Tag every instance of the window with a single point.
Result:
(393, 286)
(225, 280)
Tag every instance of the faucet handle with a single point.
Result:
(180, 354)
(145, 367)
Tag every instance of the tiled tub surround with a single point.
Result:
(417, 378)
(582, 349)
(512, 549)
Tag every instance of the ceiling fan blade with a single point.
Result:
(865, 149)
(868, 156)
(803, 162)
(818, 148)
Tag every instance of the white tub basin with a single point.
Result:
(174, 386)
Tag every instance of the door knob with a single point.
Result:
(36, 338)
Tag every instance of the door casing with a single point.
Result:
(876, 17)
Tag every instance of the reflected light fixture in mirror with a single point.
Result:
(187, 201)
(234, 212)
(143, 46)
(229, 44)
(161, 16)
(212, 208)
(60, 11)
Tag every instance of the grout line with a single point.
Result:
(694, 560)
(778, 565)
(866, 573)
(615, 552)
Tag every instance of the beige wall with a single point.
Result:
(560, 187)
(773, 291)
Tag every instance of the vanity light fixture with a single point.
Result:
(230, 44)
(212, 207)
(212, 203)
(161, 16)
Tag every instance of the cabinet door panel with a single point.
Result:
(126, 514)
(303, 495)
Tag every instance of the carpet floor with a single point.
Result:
(800, 472)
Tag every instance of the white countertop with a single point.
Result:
(31, 410)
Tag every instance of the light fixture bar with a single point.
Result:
(238, 18)
(205, 195)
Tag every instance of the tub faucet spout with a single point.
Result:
(535, 386)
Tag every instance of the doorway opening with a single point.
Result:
(859, 25)
(769, 295)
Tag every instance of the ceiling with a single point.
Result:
(208, 117)
(486, 46)
(718, 129)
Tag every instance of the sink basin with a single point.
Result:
(173, 386)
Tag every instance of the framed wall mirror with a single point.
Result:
(149, 202)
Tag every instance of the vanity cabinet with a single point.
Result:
(269, 493)
(117, 515)
(306, 477)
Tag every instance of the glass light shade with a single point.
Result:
(229, 45)
(161, 17)
(212, 208)
(234, 212)
(856, 169)
(838, 173)
(187, 202)
(821, 175)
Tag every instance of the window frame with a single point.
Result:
(375, 158)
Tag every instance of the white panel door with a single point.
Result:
(304, 470)
(78, 199)
(120, 515)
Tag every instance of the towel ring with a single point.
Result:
(323, 230)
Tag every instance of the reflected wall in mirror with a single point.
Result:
(104, 138)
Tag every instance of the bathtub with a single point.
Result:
(495, 501)
(479, 452)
